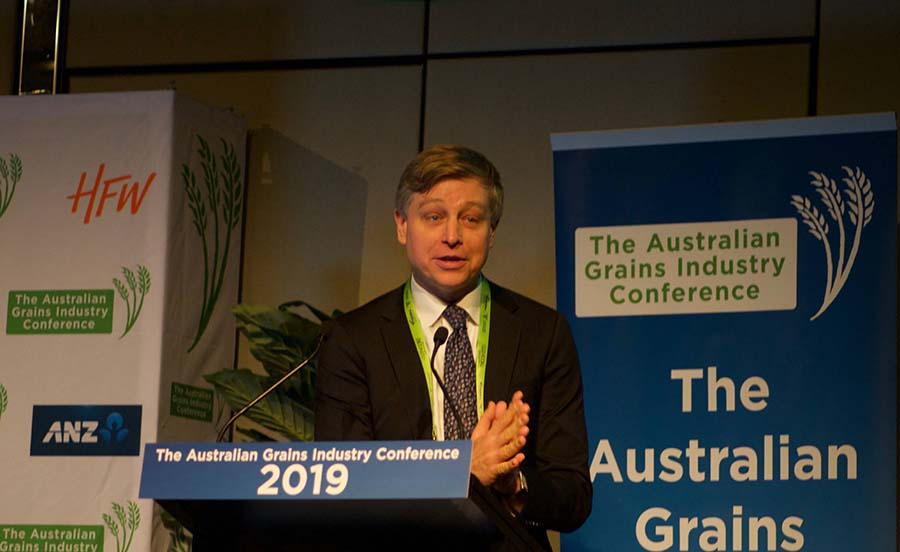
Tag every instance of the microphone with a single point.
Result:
(440, 337)
(275, 386)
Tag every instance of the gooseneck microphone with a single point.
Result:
(273, 387)
(440, 337)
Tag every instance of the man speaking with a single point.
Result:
(509, 364)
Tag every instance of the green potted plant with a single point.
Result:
(280, 339)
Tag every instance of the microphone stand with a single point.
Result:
(271, 388)
(440, 337)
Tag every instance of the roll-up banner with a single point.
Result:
(120, 226)
(732, 289)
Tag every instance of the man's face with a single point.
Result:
(447, 233)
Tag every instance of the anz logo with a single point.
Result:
(72, 432)
(82, 430)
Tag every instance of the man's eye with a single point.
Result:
(432, 217)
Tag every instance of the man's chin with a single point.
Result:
(451, 291)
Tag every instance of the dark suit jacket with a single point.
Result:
(370, 385)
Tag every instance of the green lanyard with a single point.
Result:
(418, 335)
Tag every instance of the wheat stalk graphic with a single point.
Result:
(858, 207)
(4, 400)
(11, 174)
(127, 522)
(221, 205)
(137, 286)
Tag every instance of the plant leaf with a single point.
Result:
(298, 303)
(279, 339)
(253, 435)
(276, 412)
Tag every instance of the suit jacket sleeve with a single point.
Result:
(559, 488)
(343, 410)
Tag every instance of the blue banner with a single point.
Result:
(732, 290)
(319, 470)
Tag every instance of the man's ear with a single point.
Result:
(400, 221)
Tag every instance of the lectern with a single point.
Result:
(373, 495)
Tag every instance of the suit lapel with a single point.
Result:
(408, 372)
(503, 346)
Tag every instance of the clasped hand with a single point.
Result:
(497, 443)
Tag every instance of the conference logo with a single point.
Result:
(11, 174)
(216, 212)
(847, 215)
(86, 430)
(123, 524)
(77, 311)
(51, 538)
(4, 400)
(738, 265)
(59, 311)
(133, 295)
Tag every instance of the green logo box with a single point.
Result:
(51, 537)
(195, 403)
(60, 311)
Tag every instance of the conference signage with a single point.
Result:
(313, 471)
(119, 215)
(732, 292)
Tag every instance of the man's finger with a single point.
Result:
(512, 447)
(484, 424)
(504, 468)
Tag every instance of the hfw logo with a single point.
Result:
(123, 195)
(86, 430)
(858, 207)
(10, 175)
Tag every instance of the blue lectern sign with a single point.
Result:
(732, 290)
(320, 470)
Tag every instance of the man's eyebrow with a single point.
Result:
(478, 204)
(466, 205)
(429, 201)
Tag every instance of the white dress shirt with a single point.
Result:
(429, 309)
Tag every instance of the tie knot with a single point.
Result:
(455, 316)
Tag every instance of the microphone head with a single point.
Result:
(325, 329)
(440, 336)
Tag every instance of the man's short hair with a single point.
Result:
(442, 162)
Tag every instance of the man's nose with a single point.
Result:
(452, 236)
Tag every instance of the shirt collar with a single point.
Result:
(429, 307)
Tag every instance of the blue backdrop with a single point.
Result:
(831, 381)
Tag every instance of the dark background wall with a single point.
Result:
(360, 84)
(340, 94)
